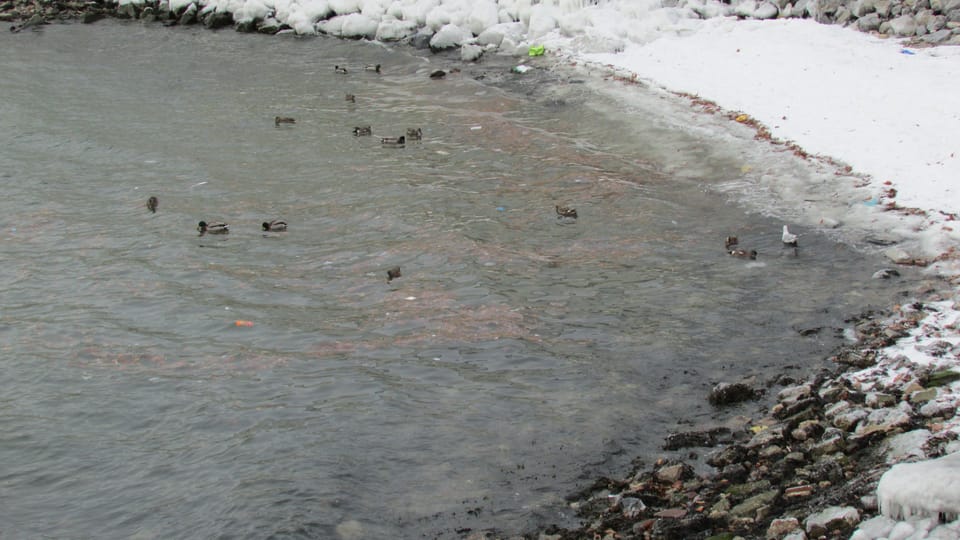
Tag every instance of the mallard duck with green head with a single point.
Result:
(217, 227)
(394, 142)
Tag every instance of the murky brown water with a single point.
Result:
(516, 357)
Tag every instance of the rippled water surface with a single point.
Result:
(516, 357)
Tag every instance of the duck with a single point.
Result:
(152, 203)
(566, 212)
(340, 69)
(394, 142)
(351, 98)
(730, 242)
(361, 131)
(217, 227)
(744, 254)
(789, 238)
(414, 134)
(393, 273)
(277, 120)
(372, 67)
(277, 225)
(438, 74)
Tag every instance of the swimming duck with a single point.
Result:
(340, 70)
(213, 228)
(414, 134)
(277, 225)
(730, 241)
(362, 131)
(152, 203)
(372, 67)
(394, 142)
(393, 273)
(277, 120)
(789, 238)
(351, 98)
(744, 254)
(566, 212)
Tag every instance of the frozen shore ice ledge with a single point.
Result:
(925, 488)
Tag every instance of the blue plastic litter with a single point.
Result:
(872, 202)
(500, 209)
(906, 51)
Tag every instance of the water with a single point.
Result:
(516, 357)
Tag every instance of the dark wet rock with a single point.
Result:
(696, 439)
(941, 378)
(217, 19)
(756, 506)
(189, 15)
(729, 393)
(91, 17)
(734, 453)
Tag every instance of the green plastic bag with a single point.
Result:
(537, 50)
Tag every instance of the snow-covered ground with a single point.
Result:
(888, 111)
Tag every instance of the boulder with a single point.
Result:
(727, 393)
(835, 518)
(904, 25)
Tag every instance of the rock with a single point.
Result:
(781, 527)
(693, 439)
(728, 393)
(126, 10)
(766, 10)
(449, 36)
(755, 505)
(727, 456)
(674, 472)
(939, 36)
(942, 378)
(878, 400)
(895, 254)
(835, 518)
(831, 442)
(91, 17)
(808, 429)
(922, 396)
(218, 19)
(470, 52)
(903, 25)
(875, 527)
(189, 15)
(798, 492)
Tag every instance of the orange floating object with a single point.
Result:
(243, 323)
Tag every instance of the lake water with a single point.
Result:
(516, 357)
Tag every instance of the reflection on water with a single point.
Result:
(516, 356)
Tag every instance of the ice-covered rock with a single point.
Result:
(924, 488)
(447, 37)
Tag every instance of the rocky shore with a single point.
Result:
(808, 466)
(930, 22)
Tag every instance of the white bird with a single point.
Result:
(789, 238)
